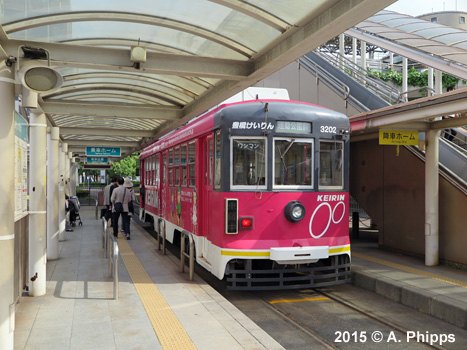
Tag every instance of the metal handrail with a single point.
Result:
(378, 86)
(334, 83)
(418, 89)
(112, 252)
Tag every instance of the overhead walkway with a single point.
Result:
(367, 94)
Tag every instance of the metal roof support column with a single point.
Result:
(363, 57)
(341, 50)
(438, 82)
(61, 193)
(430, 81)
(363, 54)
(432, 198)
(69, 170)
(7, 208)
(74, 176)
(52, 193)
(432, 187)
(354, 50)
(405, 86)
(37, 204)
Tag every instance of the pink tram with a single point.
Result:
(260, 188)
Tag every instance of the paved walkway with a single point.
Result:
(79, 312)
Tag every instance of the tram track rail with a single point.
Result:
(373, 316)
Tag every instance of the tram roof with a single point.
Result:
(198, 54)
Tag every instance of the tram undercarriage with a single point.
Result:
(253, 274)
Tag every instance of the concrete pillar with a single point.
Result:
(391, 60)
(432, 198)
(7, 208)
(61, 192)
(37, 204)
(405, 86)
(52, 193)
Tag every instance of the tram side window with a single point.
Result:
(210, 163)
(249, 162)
(217, 160)
(331, 157)
(171, 159)
(152, 170)
(176, 166)
(191, 164)
(157, 170)
(164, 169)
(183, 165)
(293, 164)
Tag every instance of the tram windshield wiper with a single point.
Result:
(282, 155)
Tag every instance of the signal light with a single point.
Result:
(246, 223)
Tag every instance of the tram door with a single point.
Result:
(206, 182)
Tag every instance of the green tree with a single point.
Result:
(126, 167)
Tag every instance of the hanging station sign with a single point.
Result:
(103, 152)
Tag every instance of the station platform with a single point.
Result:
(439, 291)
(157, 307)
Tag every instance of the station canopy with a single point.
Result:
(447, 43)
(134, 71)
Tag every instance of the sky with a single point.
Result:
(420, 7)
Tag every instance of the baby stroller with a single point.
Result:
(74, 211)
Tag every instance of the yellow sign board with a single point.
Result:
(398, 137)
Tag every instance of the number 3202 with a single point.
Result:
(328, 129)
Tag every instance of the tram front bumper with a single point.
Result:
(299, 255)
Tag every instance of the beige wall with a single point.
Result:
(391, 189)
(447, 18)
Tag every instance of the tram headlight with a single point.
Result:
(294, 211)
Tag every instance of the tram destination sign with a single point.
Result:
(103, 152)
(293, 127)
(398, 137)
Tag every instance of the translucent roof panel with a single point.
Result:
(191, 54)
(433, 38)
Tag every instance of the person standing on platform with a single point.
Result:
(123, 196)
(126, 223)
(107, 194)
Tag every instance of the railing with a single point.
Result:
(111, 252)
(357, 73)
(331, 81)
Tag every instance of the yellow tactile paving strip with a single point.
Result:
(168, 329)
(412, 270)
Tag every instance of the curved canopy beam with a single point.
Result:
(135, 89)
(127, 43)
(85, 16)
(133, 77)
